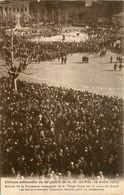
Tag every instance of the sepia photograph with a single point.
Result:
(61, 89)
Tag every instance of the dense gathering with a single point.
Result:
(52, 131)
(99, 41)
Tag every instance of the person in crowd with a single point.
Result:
(115, 66)
(111, 59)
(120, 66)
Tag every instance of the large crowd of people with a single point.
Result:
(99, 41)
(50, 131)
(55, 132)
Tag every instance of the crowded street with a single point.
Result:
(61, 89)
(97, 76)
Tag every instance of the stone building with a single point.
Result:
(63, 12)
(11, 8)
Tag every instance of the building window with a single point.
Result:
(9, 8)
(14, 18)
(25, 9)
(17, 9)
(6, 9)
(14, 9)
(21, 9)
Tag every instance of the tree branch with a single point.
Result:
(27, 73)
(7, 49)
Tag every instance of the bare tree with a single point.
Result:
(15, 57)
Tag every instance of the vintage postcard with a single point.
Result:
(61, 96)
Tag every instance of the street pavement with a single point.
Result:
(98, 76)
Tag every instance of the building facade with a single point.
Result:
(61, 12)
(10, 9)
